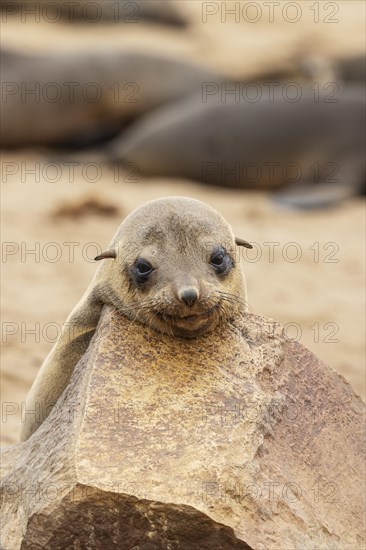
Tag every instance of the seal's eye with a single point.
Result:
(217, 260)
(140, 272)
(143, 268)
(221, 261)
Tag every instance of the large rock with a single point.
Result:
(241, 439)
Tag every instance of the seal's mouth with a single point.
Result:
(191, 322)
(182, 318)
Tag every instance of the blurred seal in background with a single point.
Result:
(311, 141)
(94, 11)
(78, 99)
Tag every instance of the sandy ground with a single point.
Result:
(307, 270)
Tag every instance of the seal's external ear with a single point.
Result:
(106, 254)
(241, 242)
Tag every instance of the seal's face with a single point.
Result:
(179, 273)
(183, 290)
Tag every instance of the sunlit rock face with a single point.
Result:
(240, 439)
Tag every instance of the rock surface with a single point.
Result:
(238, 440)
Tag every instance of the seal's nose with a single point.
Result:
(188, 296)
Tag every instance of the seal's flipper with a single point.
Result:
(311, 196)
(56, 370)
(347, 181)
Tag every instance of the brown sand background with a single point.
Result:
(39, 294)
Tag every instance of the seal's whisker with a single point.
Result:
(141, 305)
(231, 298)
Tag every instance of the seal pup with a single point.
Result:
(60, 98)
(85, 11)
(172, 265)
(266, 144)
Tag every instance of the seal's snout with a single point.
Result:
(188, 295)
